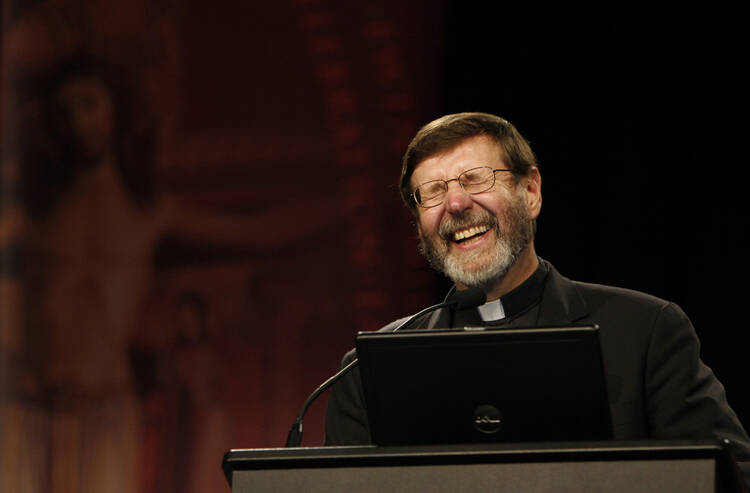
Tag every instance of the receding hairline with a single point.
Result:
(442, 152)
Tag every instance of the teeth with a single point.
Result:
(469, 232)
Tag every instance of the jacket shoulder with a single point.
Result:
(602, 293)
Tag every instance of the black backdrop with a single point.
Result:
(639, 121)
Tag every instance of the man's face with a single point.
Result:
(475, 239)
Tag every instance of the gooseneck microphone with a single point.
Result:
(459, 300)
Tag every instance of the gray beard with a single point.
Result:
(503, 255)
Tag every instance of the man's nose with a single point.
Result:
(456, 198)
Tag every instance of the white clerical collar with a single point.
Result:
(492, 310)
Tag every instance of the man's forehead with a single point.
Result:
(480, 150)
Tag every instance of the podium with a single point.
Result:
(675, 466)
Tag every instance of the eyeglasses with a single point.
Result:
(474, 180)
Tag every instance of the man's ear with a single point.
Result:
(533, 192)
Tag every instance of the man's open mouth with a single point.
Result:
(466, 234)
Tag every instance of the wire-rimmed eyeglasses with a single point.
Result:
(475, 180)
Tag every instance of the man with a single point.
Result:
(472, 183)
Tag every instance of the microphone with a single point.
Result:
(459, 300)
(468, 298)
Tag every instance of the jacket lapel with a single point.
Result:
(561, 301)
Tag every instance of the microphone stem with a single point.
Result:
(417, 315)
(294, 439)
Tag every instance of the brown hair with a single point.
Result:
(449, 131)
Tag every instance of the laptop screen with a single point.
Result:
(484, 385)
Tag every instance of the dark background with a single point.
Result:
(639, 121)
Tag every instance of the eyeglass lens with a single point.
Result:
(475, 180)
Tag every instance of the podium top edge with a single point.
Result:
(507, 451)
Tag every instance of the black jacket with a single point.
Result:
(658, 386)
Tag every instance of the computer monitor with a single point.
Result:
(484, 385)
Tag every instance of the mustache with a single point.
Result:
(454, 223)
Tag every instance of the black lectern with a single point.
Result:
(642, 467)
